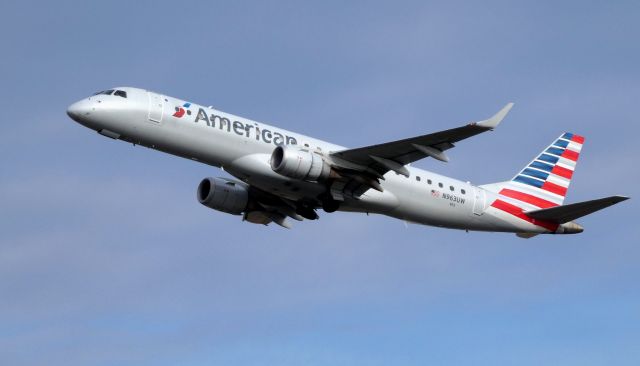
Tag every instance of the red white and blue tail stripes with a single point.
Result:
(543, 183)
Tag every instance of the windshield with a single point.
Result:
(119, 93)
(106, 92)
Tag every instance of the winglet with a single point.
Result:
(494, 121)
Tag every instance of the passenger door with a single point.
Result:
(156, 107)
(480, 197)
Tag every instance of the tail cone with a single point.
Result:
(570, 228)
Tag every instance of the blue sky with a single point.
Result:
(107, 258)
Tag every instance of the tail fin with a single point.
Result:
(543, 183)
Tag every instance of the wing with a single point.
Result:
(394, 155)
(372, 162)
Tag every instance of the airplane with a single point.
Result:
(283, 175)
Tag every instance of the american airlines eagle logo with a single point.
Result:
(181, 110)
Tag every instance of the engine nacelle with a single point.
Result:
(299, 164)
(223, 195)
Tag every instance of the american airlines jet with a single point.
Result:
(282, 175)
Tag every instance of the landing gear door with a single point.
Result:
(156, 107)
(480, 197)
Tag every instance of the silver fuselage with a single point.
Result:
(243, 148)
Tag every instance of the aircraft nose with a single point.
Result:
(78, 110)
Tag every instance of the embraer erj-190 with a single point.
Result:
(282, 175)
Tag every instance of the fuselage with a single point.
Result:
(243, 147)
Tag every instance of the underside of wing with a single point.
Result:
(365, 166)
(266, 208)
(408, 150)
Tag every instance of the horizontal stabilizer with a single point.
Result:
(566, 213)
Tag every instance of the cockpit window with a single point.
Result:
(106, 92)
(121, 93)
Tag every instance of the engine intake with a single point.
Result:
(223, 195)
(299, 164)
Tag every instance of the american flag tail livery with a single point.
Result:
(544, 182)
(537, 192)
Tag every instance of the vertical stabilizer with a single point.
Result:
(544, 182)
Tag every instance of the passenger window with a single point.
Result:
(440, 185)
(462, 191)
(121, 93)
(417, 178)
(451, 188)
(428, 181)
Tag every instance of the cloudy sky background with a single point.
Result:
(107, 258)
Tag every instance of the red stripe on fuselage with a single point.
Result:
(563, 172)
(554, 188)
(517, 212)
(524, 197)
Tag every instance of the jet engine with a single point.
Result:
(299, 164)
(223, 195)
